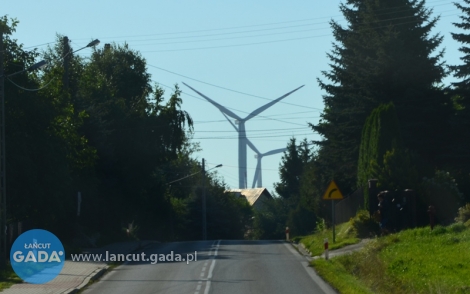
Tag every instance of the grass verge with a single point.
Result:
(8, 278)
(411, 261)
(345, 235)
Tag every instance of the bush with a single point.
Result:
(364, 225)
(320, 225)
(463, 214)
(439, 230)
(457, 228)
(442, 192)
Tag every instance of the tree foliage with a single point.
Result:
(458, 156)
(379, 135)
(385, 54)
(103, 128)
(298, 207)
(291, 169)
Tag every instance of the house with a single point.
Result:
(255, 196)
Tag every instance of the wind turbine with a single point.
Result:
(242, 139)
(257, 179)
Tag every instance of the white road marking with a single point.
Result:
(211, 269)
(213, 251)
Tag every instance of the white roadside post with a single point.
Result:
(326, 248)
(287, 234)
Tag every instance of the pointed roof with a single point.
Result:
(251, 195)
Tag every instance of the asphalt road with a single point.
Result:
(222, 267)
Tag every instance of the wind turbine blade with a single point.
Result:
(220, 107)
(248, 142)
(266, 106)
(233, 125)
(274, 151)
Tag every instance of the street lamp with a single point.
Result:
(66, 58)
(39, 65)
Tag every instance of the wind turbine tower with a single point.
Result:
(242, 139)
(258, 178)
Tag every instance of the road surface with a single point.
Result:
(228, 267)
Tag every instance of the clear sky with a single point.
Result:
(261, 48)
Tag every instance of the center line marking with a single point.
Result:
(211, 269)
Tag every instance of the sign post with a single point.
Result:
(333, 193)
(333, 219)
(325, 244)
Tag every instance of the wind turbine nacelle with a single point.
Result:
(256, 156)
(237, 122)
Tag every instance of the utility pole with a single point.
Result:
(204, 220)
(66, 58)
(3, 210)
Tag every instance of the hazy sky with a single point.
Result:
(259, 49)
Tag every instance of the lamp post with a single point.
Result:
(66, 58)
(204, 218)
(204, 214)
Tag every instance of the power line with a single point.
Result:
(228, 89)
(199, 98)
(278, 41)
(253, 137)
(30, 90)
(386, 11)
(270, 130)
(271, 115)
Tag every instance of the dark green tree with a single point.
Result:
(381, 133)
(270, 222)
(382, 155)
(384, 54)
(459, 153)
(291, 168)
(38, 158)
(300, 209)
(136, 134)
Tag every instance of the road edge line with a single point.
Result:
(326, 288)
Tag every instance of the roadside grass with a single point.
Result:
(411, 261)
(345, 235)
(8, 278)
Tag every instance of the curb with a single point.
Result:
(90, 278)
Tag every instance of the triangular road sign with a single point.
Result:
(332, 192)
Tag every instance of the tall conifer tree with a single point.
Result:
(384, 54)
(460, 148)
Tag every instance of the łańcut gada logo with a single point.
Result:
(37, 256)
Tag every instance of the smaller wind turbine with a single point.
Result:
(258, 179)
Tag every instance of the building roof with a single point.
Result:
(251, 195)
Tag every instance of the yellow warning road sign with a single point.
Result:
(332, 192)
